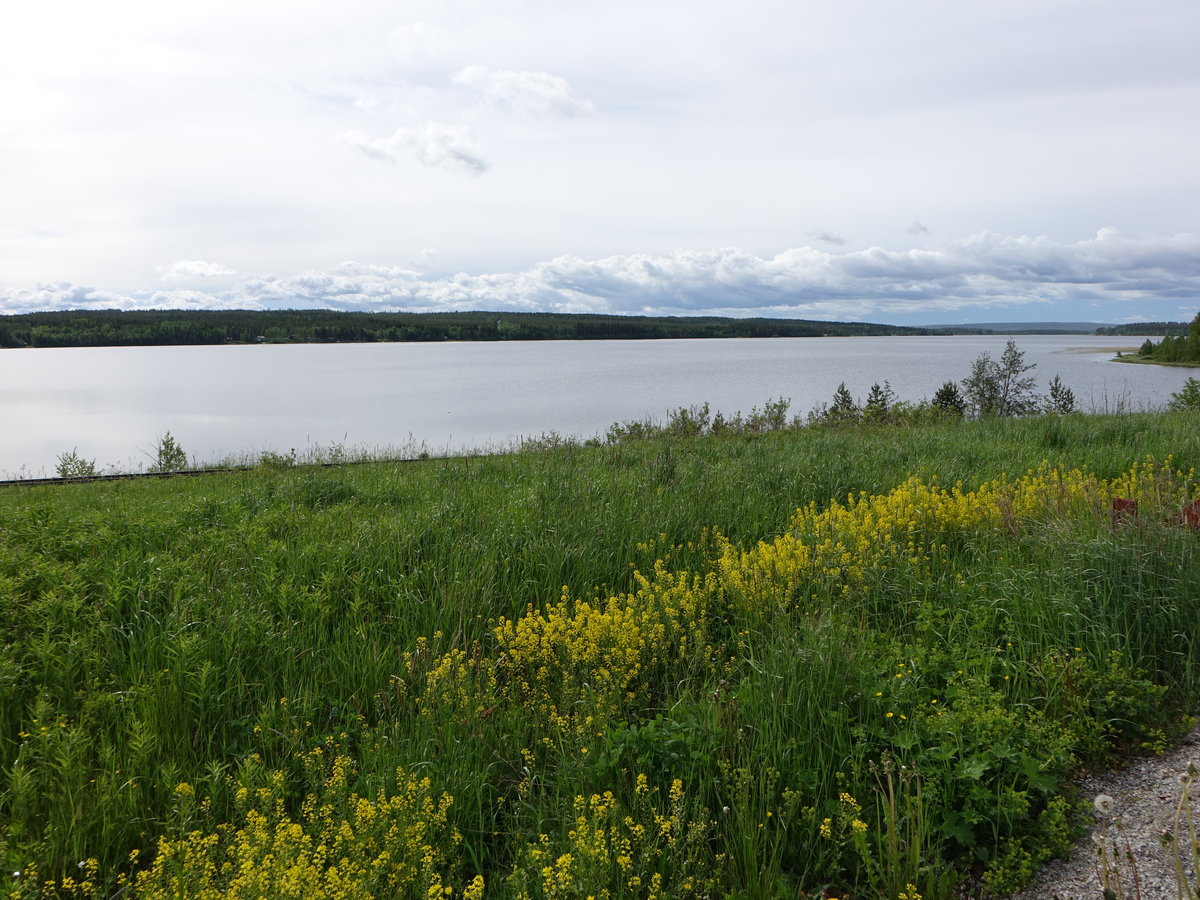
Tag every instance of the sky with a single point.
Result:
(905, 162)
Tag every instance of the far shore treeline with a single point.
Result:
(107, 328)
(126, 328)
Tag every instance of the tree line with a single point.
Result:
(117, 328)
(1180, 348)
(1144, 328)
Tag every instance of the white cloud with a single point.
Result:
(434, 144)
(531, 93)
(194, 268)
(979, 271)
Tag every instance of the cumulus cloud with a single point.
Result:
(917, 228)
(434, 144)
(980, 271)
(183, 269)
(531, 93)
(65, 295)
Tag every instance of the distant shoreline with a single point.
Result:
(149, 328)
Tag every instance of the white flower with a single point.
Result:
(1104, 804)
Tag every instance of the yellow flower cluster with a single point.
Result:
(847, 826)
(1157, 486)
(578, 661)
(342, 846)
(86, 885)
(910, 526)
(458, 682)
(610, 852)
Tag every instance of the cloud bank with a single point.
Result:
(982, 271)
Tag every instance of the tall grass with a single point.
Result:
(173, 653)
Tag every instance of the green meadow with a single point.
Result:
(861, 661)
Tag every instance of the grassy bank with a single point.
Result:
(664, 668)
(1150, 361)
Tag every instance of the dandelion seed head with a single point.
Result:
(1104, 803)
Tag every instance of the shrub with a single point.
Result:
(1187, 397)
(169, 456)
(1002, 388)
(72, 465)
(880, 401)
(949, 400)
(269, 459)
(1061, 400)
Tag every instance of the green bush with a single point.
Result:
(169, 456)
(1187, 397)
(72, 465)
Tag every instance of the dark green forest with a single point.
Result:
(117, 328)
(1179, 348)
(1174, 329)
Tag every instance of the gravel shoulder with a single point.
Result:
(1145, 799)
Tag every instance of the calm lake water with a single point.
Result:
(114, 403)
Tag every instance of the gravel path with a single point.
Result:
(1145, 797)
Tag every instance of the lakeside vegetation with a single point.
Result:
(687, 662)
(113, 328)
(1179, 350)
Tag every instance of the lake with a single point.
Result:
(113, 403)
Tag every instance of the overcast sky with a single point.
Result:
(909, 162)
